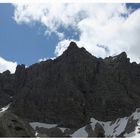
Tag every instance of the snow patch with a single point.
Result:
(134, 134)
(113, 128)
(44, 125)
(36, 134)
(5, 108)
(62, 129)
(80, 133)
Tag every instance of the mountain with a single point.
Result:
(13, 126)
(72, 89)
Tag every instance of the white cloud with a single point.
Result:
(98, 24)
(45, 59)
(61, 47)
(7, 65)
(42, 59)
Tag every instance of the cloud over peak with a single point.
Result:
(7, 65)
(104, 29)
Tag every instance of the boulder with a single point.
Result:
(13, 126)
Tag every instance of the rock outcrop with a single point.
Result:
(73, 88)
(13, 126)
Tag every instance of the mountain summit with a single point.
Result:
(73, 45)
(73, 88)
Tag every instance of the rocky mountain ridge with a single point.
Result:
(73, 88)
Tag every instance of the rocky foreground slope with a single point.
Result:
(13, 126)
(72, 89)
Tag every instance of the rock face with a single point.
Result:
(6, 88)
(73, 88)
(97, 132)
(13, 126)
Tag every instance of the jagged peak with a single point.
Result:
(7, 72)
(20, 68)
(122, 55)
(76, 52)
(72, 46)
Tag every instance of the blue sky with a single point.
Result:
(22, 43)
(26, 43)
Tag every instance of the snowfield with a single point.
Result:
(5, 108)
(44, 125)
(116, 128)
(122, 127)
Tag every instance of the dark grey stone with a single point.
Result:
(72, 88)
(13, 126)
